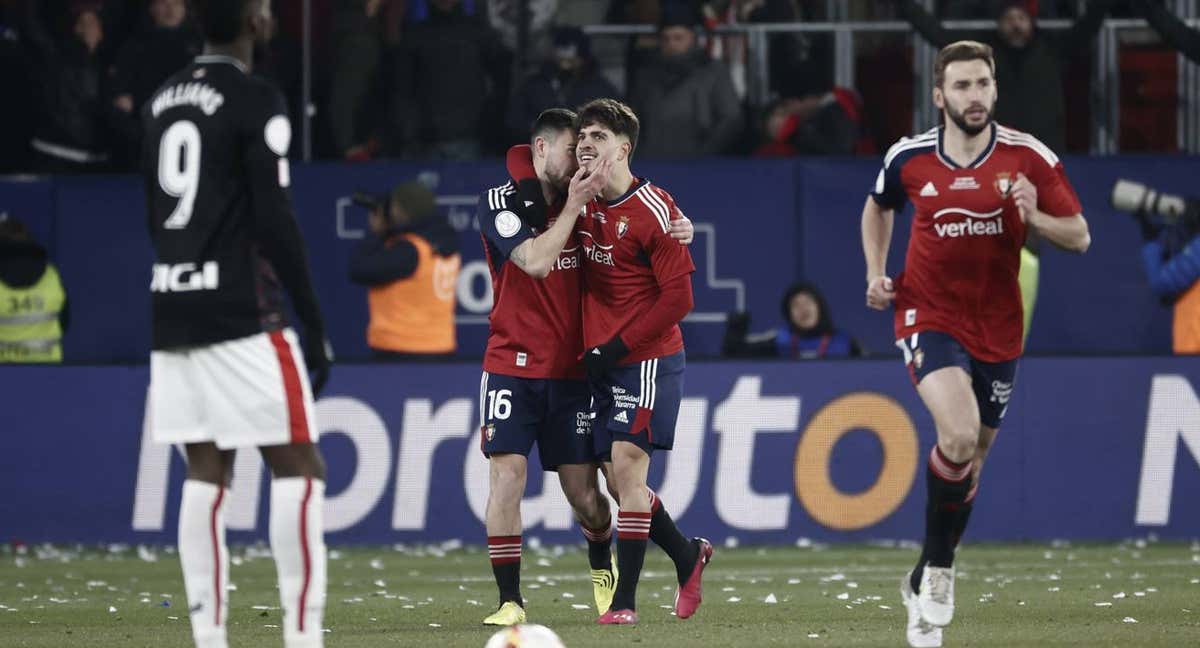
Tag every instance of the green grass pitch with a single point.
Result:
(1128, 594)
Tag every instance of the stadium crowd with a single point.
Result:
(448, 79)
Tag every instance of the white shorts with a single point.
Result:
(252, 391)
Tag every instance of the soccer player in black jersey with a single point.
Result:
(226, 370)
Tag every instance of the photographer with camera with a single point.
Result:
(409, 263)
(1170, 225)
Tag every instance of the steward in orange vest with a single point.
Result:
(409, 263)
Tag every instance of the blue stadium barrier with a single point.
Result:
(1098, 448)
(760, 225)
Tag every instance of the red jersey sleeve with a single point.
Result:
(668, 259)
(1056, 196)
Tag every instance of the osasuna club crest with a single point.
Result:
(1003, 184)
(622, 226)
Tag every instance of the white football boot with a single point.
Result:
(919, 633)
(936, 597)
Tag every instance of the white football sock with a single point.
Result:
(205, 560)
(298, 543)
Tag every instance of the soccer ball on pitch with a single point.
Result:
(526, 635)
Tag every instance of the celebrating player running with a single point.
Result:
(977, 188)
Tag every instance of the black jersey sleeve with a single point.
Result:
(268, 135)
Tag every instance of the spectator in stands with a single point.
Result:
(1028, 62)
(641, 49)
(1173, 31)
(808, 332)
(71, 134)
(166, 42)
(364, 31)
(822, 123)
(16, 79)
(685, 100)
(503, 16)
(794, 58)
(568, 78)
(409, 263)
(33, 303)
(453, 73)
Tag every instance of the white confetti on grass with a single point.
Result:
(1119, 595)
(1103, 604)
(728, 589)
(843, 596)
(796, 581)
(734, 599)
(435, 625)
(770, 599)
(813, 635)
(112, 610)
(1129, 620)
(568, 595)
(885, 607)
(579, 606)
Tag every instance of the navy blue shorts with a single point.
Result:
(992, 382)
(638, 403)
(517, 412)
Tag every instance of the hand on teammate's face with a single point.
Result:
(880, 293)
(590, 180)
(1024, 194)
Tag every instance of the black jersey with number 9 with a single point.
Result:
(225, 238)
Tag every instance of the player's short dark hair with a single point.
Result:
(552, 120)
(613, 115)
(221, 20)
(963, 50)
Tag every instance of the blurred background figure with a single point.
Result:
(1173, 31)
(409, 262)
(822, 123)
(70, 135)
(452, 73)
(684, 99)
(364, 33)
(567, 79)
(33, 303)
(807, 333)
(166, 41)
(1170, 226)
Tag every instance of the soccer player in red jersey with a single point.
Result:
(977, 188)
(638, 288)
(533, 389)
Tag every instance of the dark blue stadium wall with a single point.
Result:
(761, 224)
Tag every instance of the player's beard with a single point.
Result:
(960, 119)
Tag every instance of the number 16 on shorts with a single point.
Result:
(499, 404)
